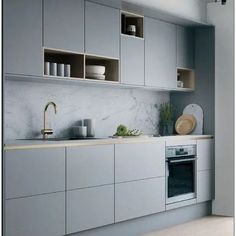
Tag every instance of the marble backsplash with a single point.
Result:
(24, 103)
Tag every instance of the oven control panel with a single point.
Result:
(175, 151)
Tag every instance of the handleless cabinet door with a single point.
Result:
(185, 47)
(136, 161)
(64, 24)
(36, 216)
(90, 166)
(132, 60)
(22, 37)
(102, 30)
(160, 54)
(34, 171)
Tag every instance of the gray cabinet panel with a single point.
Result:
(185, 47)
(132, 60)
(102, 30)
(36, 216)
(139, 198)
(64, 24)
(139, 161)
(205, 185)
(205, 154)
(90, 166)
(160, 54)
(34, 171)
(22, 37)
(90, 208)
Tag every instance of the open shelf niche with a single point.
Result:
(111, 67)
(186, 78)
(127, 19)
(75, 60)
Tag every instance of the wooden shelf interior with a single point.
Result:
(132, 19)
(111, 65)
(75, 60)
(187, 77)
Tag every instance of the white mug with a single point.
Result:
(46, 68)
(67, 72)
(53, 68)
(131, 29)
(60, 70)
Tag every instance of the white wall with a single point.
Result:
(222, 18)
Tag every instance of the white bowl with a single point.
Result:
(95, 76)
(92, 69)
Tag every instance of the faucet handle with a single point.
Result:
(46, 132)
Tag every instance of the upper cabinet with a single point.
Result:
(160, 54)
(22, 38)
(102, 27)
(185, 47)
(64, 24)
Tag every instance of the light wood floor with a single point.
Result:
(207, 226)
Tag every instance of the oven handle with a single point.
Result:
(182, 160)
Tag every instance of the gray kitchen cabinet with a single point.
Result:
(90, 166)
(185, 47)
(205, 185)
(102, 30)
(64, 24)
(135, 161)
(160, 54)
(132, 60)
(139, 198)
(22, 37)
(37, 215)
(205, 154)
(89, 208)
(34, 171)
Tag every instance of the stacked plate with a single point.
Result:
(95, 72)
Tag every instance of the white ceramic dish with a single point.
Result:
(94, 69)
(95, 76)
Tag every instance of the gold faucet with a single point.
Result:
(46, 131)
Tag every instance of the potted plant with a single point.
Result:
(166, 123)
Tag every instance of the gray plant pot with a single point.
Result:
(166, 128)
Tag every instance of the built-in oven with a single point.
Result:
(180, 173)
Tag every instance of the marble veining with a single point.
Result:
(24, 103)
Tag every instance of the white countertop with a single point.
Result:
(28, 144)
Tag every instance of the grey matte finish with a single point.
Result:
(160, 54)
(36, 216)
(102, 30)
(139, 161)
(34, 171)
(205, 185)
(139, 198)
(205, 154)
(132, 60)
(185, 47)
(90, 166)
(64, 24)
(22, 37)
(90, 208)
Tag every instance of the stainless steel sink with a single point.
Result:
(60, 139)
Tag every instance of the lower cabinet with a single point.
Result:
(139, 198)
(36, 216)
(89, 208)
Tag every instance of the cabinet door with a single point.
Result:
(139, 198)
(90, 166)
(64, 24)
(90, 208)
(160, 54)
(205, 154)
(132, 60)
(37, 216)
(34, 171)
(135, 161)
(102, 30)
(22, 37)
(185, 47)
(205, 185)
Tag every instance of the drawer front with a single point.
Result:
(139, 198)
(139, 161)
(90, 166)
(90, 208)
(34, 171)
(36, 216)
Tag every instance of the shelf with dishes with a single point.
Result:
(185, 79)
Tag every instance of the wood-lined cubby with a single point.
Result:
(187, 76)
